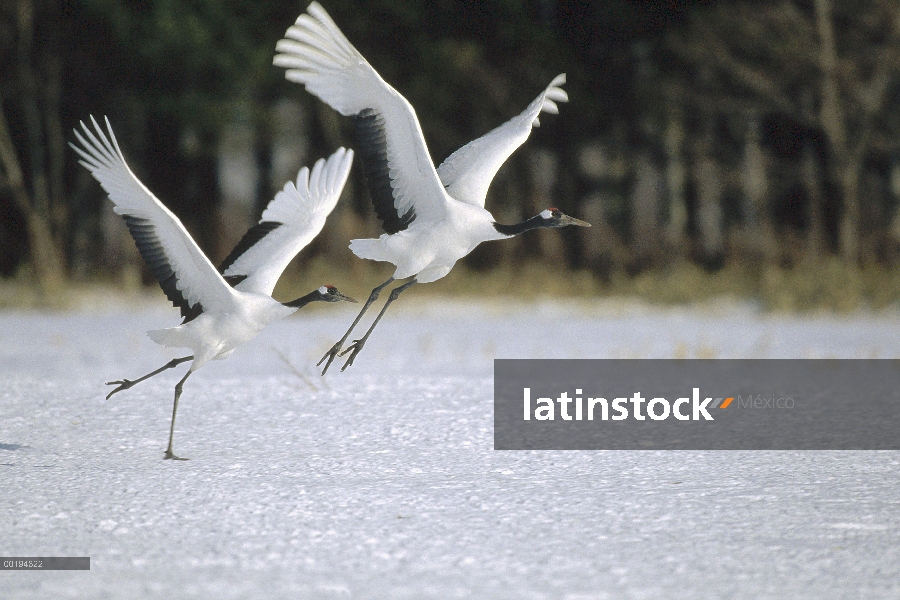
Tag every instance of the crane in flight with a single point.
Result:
(224, 308)
(431, 217)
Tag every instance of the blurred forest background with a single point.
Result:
(742, 147)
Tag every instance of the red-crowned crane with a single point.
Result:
(431, 217)
(221, 310)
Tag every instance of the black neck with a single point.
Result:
(304, 300)
(517, 228)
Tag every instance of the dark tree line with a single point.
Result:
(760, 131)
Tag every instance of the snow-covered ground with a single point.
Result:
(381, 482)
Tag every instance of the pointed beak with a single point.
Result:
(341, 296)
(567, 220)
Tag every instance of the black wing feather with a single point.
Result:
(233, 280)
(372, 150)
(253, 235)
(154, 255)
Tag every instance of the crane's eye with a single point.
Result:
(556, 213)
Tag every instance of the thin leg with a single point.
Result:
(331, 354)
(357, 345)
(169, 454)
(124, 384)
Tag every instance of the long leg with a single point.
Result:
(331, 354)
(169, 454)
(357, 345)
(124, 384)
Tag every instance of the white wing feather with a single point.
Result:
(317, 55)
(468, 172)
(301, 210)
(195, 276)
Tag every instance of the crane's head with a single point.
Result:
(329, 293)
(326, 293)
(553, 217)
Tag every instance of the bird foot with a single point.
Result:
(354, 349)
(330, 355)
(123, 384)
(170, 456)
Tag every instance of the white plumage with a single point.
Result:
(317, 54)
(431, 217)
(217, 317)
(167, 246)
(301, 208)
(468, 172)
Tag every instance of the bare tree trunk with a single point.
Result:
(40, 199)
(676, 176)
(45, 253)
(544, 169)
(801, 70)
(709, 209)
(815, 226)
(46, 257)
(603, 251)
(760, 239)
(848, 178)
(290, 141)
(645, 208)
(831, 115)
(56, 144)
(708, 178)
(238, 181)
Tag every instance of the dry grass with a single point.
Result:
(529, 281)
(827, 285)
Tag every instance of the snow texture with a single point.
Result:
(381, 482)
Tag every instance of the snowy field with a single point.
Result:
(381, 482)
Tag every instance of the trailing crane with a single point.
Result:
(224, 308)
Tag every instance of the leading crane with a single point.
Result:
(431, 217)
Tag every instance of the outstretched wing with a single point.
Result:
(468, 172)
(184, 273)
(293, 218)
(402, 180)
